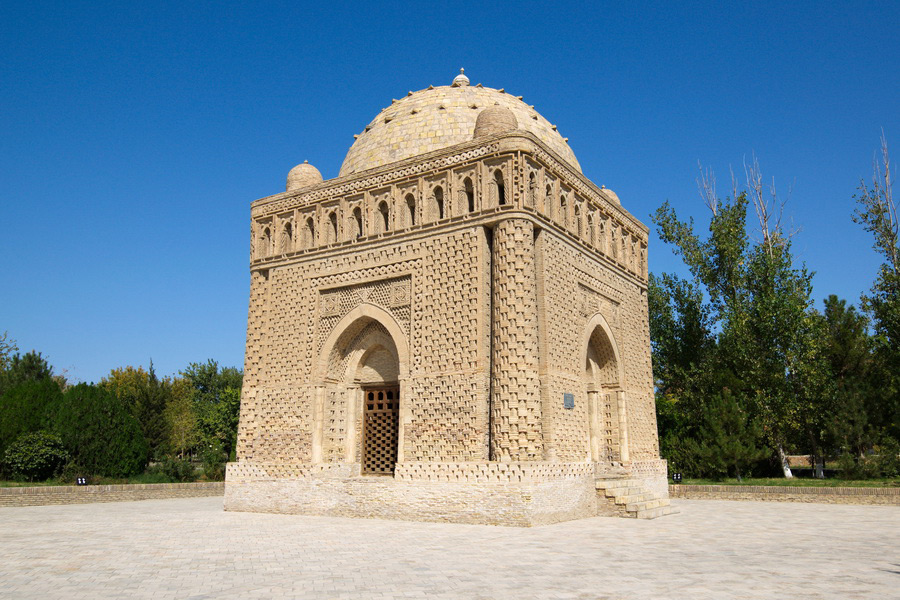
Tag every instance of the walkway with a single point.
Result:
(190, 548)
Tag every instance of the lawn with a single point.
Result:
(798, 482)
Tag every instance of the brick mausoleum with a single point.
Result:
(453, 329)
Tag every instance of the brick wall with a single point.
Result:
(835, 495)
(67, 494)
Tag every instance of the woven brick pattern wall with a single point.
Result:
(516, 399)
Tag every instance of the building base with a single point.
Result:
(486, 493)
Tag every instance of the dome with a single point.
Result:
(439, 117)
(303, 175)
(495, 119)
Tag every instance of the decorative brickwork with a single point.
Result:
(516, 403)
(485, 280)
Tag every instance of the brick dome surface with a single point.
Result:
(439, 117)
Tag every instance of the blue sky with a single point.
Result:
(133, 137)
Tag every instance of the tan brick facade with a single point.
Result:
(495, 288)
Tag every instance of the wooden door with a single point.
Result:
(381, 421)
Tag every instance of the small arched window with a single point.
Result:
(578, 219)
(563, 210)
(310, 233)
(410, 210)
(470, 194)
(333, 231)
(501, 188)
(532, 190)
(358, 222)
(265, 242)
(385, 216)
(287, 238)
(439, 202)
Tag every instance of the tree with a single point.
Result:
(767, 348)
(681, 336)
(99, 432)
(180, 419)
(25, 408)
(7, 349)
(876, 211)
(216, 395)
(21, 369)
(145, 395)
(729, 437)
(854, 425)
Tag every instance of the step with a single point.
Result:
(633, 498)
(611, 484)
(654, 513)
(624, 492)
(647, 504)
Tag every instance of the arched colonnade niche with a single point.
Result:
(603, 380)
(359, 406)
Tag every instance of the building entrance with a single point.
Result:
(382, 406)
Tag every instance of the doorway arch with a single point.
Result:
(362, 369)
(603, 380)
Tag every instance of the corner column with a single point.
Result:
(516, 402)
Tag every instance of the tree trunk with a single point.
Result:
(820, 467)
(784, 463)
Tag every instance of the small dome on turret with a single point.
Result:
(611, 195)
(460, 80)
(303, 175)
(495, 119)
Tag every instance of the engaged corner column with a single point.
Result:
(516, 402)
(623, 426)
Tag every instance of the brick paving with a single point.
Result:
(191, 548)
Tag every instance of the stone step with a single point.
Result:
(634, 498)
(610, 484)
(623, 491)
(647, 504)
(653, 513)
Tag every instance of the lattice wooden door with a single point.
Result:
(380, 437)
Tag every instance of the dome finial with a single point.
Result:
(460, 80)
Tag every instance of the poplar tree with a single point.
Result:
(768, 339)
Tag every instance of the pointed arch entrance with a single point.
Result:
(603, 379)
(363, 367)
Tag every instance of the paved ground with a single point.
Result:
(190, 548)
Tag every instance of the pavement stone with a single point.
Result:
(191, 548)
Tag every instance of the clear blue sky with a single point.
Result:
(133, 136)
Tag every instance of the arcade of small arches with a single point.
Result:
(442, 198)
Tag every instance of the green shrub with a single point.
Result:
(100, 433)
(884, 463)
(25, 407)
(178, 469)
(35, 456)
(214, 459)
(888, 459)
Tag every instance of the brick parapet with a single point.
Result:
(63, 494)
(826, 495)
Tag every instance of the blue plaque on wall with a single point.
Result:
(568, 400)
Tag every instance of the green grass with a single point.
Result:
(798, 482)
(142, 478)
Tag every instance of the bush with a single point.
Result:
(25, 407)
(178, 469)
(888, 460)
(36, 456)
(884, 463)
(214, 459)
(100, 433)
